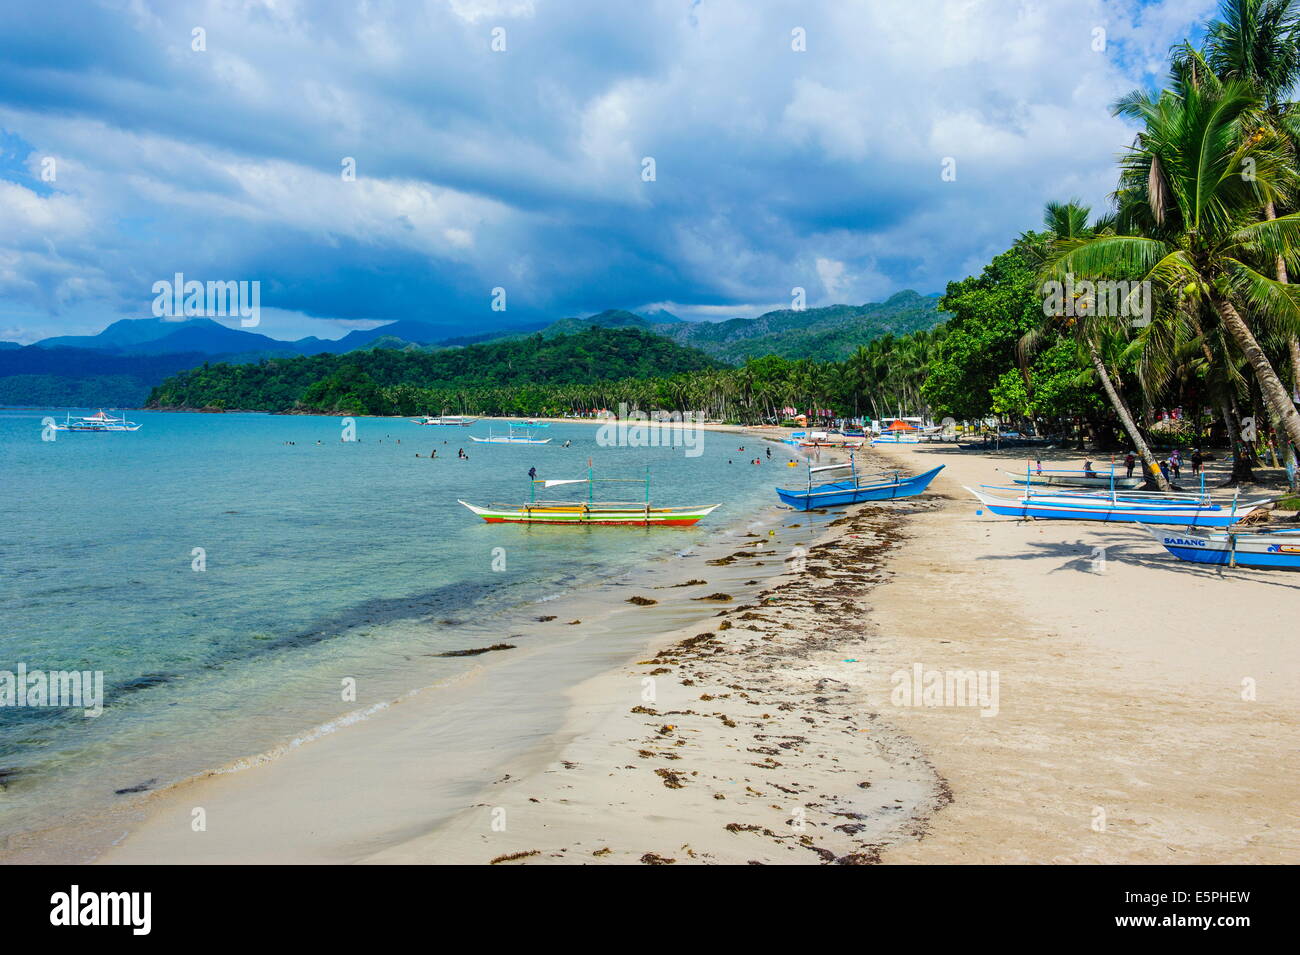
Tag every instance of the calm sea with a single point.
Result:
(321, 560)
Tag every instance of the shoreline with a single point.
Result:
(62, 838)
(770, 735)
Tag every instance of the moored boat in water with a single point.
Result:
(99, 422)
(447, 420)
(513, 436)
(592, 512)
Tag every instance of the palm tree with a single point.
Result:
(1191, 193)
(1068, 223)
(1258, 42)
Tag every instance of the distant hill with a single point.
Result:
(156, 336)
(824, 334)
(82, 363)
(79, 377)
(353, 381)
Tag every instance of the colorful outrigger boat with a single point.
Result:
(592, 512)
(1247, 548)
(1183, 510)
(510, 437)
(880, 486)
(99, 422)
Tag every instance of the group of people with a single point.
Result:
(1172, 466)
(757, 460)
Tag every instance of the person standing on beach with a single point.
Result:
(1198, 460)
(1129, 463)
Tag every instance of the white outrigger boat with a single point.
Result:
(592, 512)
(96, 423)
(456, 420)
(510, 437)
(1065, 477)
(1185, 510)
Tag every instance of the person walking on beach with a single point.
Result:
(1198, 460)
(1129, 463)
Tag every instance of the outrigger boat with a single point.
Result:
(510, 437)
(591, 511)
(823, 439)
(880, 486)
(1250, 548)
(1063, 477)
(97, 423)
(1185, 510)
(530, 423)
(456, 420)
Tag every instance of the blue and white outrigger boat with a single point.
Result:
(1186, 510)
(1252, 548)
(881, 486)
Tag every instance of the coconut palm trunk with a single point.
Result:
(1154, 474)
(1275, 396)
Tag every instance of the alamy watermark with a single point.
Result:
(921, 687)
(1103, 298)
(667, 429)
(194, 299)
(56, 689)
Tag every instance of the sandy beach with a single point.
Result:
(1142, 713)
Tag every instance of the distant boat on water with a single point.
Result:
(96, 423)
(454, 420)
(591, 512)
(1256, 547)
(513, 436)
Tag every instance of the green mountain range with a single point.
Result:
(824, 334)
(119, 365)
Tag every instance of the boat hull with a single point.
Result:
(841, 493)
(1279, 551)
(596, 515)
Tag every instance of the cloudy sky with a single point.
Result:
(127, 155)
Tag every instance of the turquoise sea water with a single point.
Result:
(323, 561)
